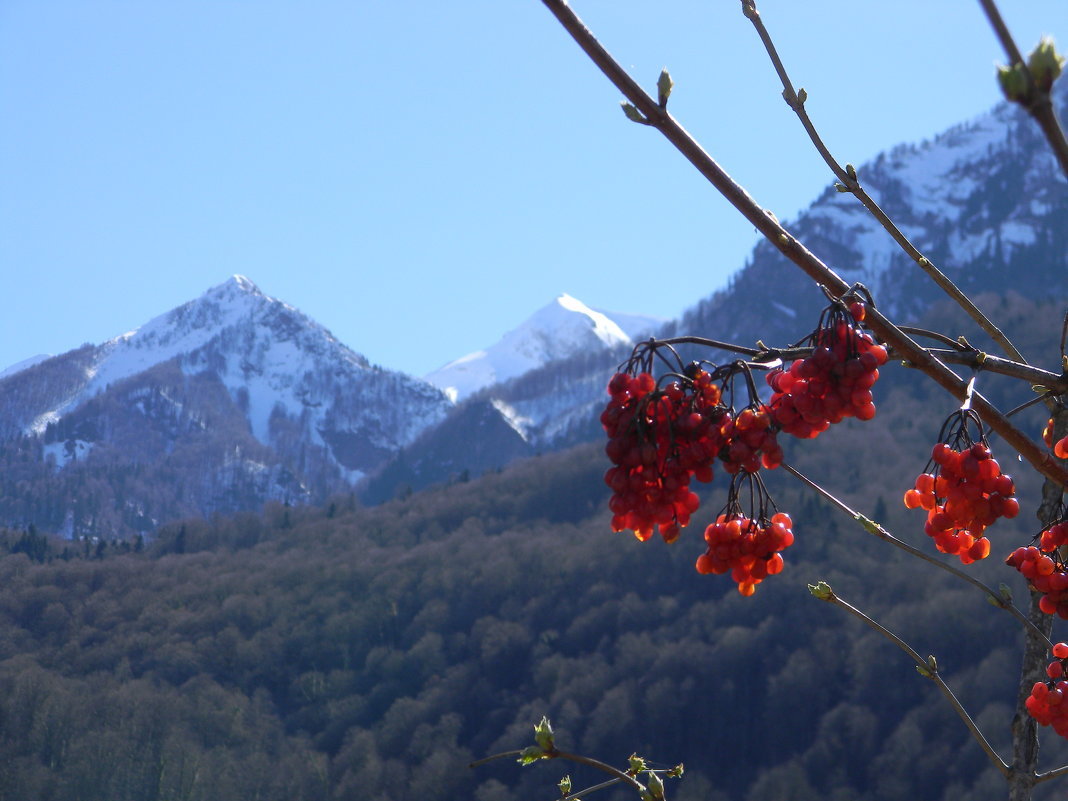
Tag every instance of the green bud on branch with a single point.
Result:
(1013, 82)
(664, 85)
(1003, 600)
(531, 753)
(1045, 64)
(543, 735)
(635, 764)
(821, 590)
(633, 114)
(869, 525)
(565, 786)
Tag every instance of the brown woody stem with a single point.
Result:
(850, 182)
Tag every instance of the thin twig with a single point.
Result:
(494, 757)
(923, 332)
(930, 670)
(602, 786)
(1054, 383)
(1051, 774)
(903, 346)
(764, 354)
(848, 179)
(1001, 30)
(876, 529)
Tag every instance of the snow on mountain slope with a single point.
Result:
(25, 364)
(276, 363)
(556, 331)
(978, 191)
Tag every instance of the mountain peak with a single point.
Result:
(235, 288)
(558, 330)
(244, 284)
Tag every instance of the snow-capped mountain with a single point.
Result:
(276, 407)
(561, 329)
(274, 361)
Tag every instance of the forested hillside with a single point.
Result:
(353, 653)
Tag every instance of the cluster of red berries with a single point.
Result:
(832, 383)
(750, 440)
(963, 493)
(1047, 574)
(1060, 447)
(1048, 701)
(657, 440)
(748, 549)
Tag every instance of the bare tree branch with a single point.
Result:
(929, 669)
(793, 249)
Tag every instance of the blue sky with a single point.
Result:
(421, 176)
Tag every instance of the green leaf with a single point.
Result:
(565, 786)
(635, 764)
